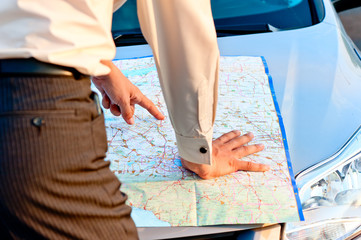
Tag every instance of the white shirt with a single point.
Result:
(77, 33)
(74, 33)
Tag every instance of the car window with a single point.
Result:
(232, 17)
(231, 8)
(281, 14)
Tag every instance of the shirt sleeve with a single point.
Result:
(184, 43)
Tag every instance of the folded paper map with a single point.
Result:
(161, 192)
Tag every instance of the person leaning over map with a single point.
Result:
(54, 182)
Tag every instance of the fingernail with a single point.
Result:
(250, 134)
(161, 117)
(131, 121)
(260, 145)
(266, 167)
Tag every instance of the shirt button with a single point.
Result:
(203, 150)
(37, 121)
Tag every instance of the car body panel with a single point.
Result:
(317, 76)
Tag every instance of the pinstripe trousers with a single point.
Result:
(54, 182)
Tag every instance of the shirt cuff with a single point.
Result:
(196, 149)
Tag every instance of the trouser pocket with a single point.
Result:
(99, 136)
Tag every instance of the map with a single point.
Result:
(161, 192)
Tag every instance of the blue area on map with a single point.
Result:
(137, 72)
(144, 218)
(178, 162)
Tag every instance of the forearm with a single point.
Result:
(183, 39)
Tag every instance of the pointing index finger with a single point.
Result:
(150, 107)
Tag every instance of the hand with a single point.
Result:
(120, 95)
(227, 150)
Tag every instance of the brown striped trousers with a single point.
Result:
(54, 182)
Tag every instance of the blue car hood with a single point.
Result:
(317, 78)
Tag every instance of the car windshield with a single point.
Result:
(231, 17)
(231, 8)
(282, 14)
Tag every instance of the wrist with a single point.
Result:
(202, 170)
(110, 66)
